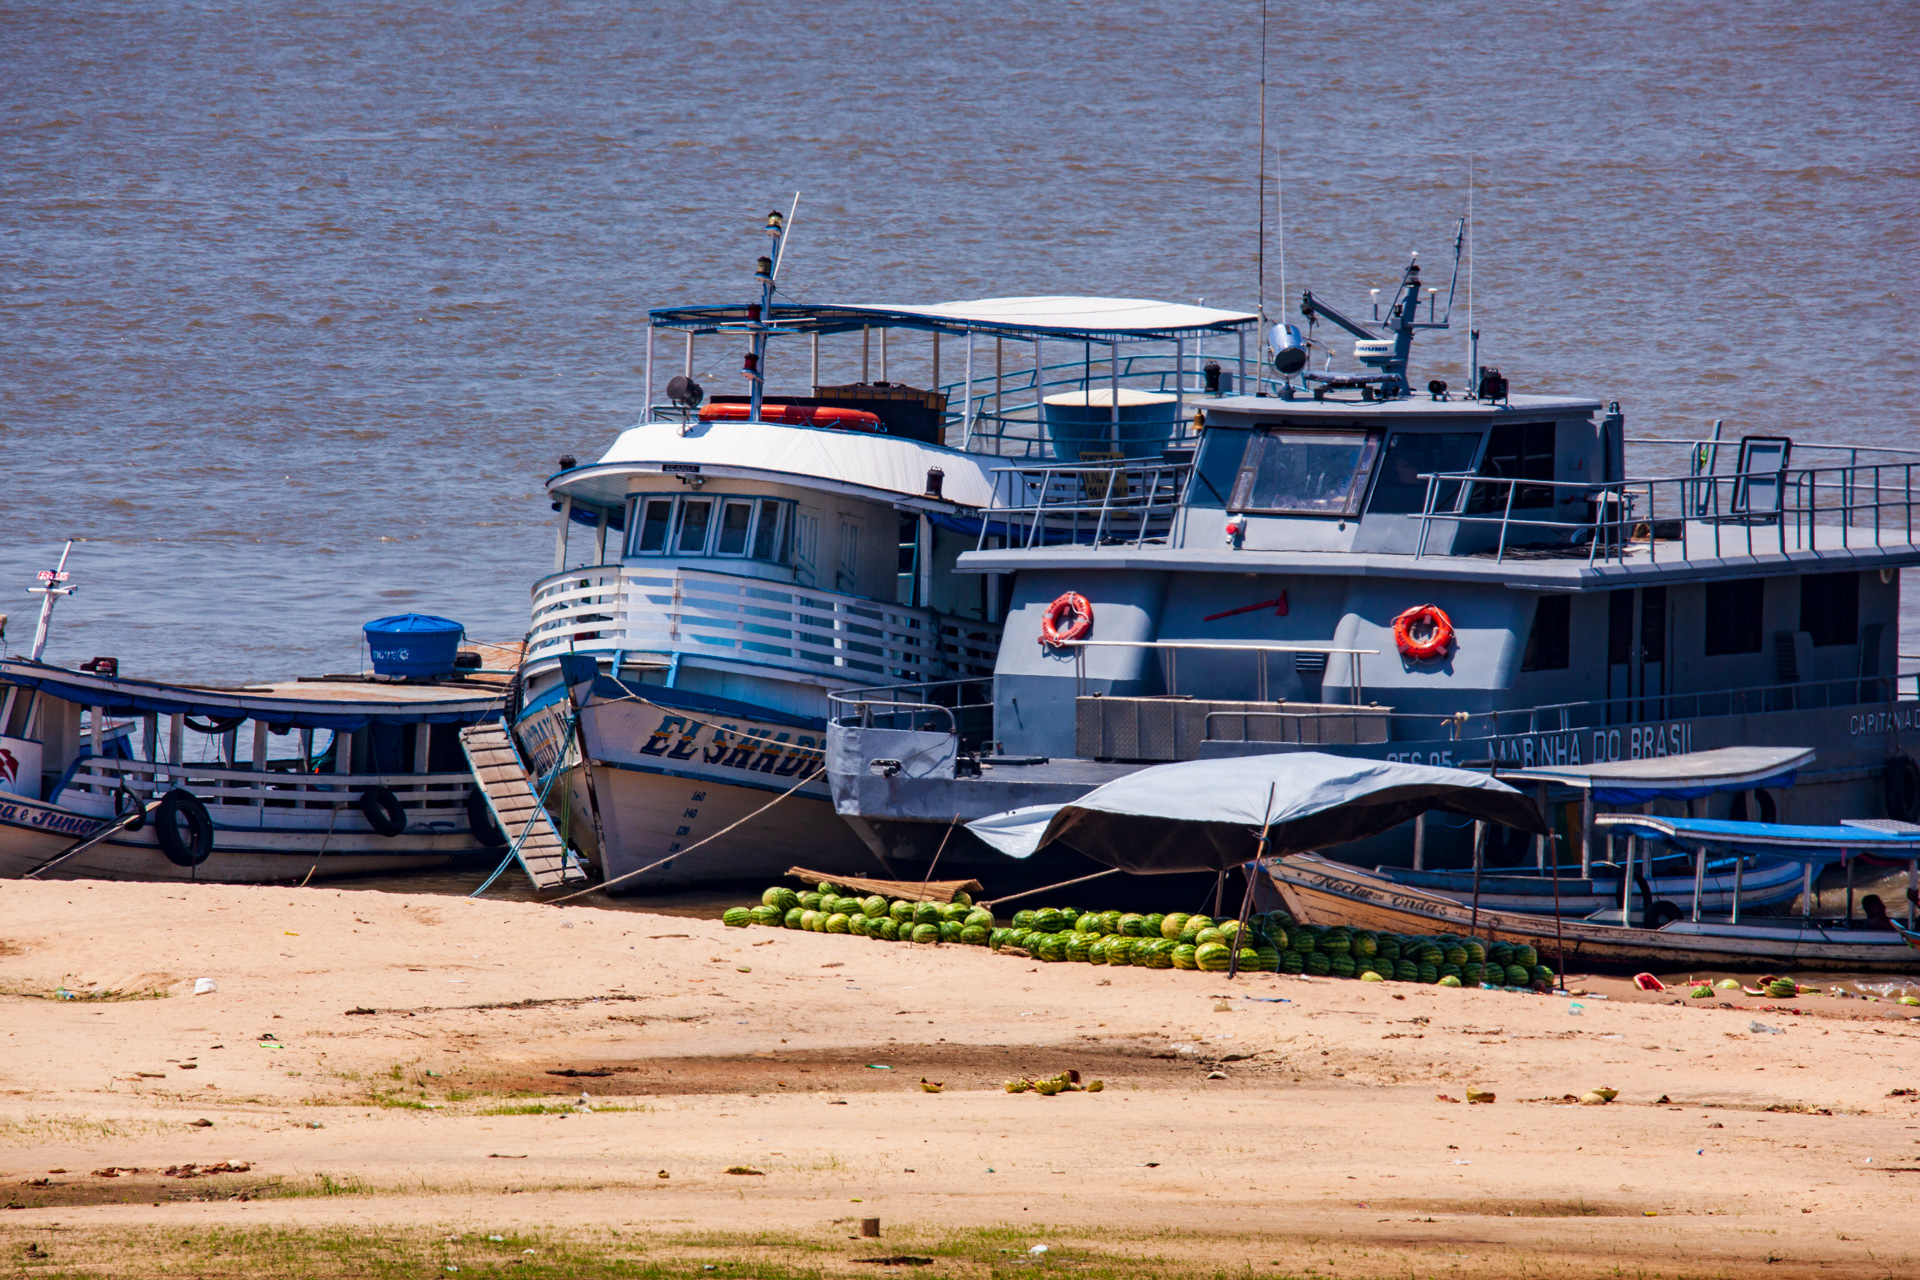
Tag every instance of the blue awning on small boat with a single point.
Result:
(1818, 845)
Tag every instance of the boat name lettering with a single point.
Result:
(681, 468)
(49, 819)
(1880, 721)
(731, 747)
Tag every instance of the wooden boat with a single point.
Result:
(1763, 883)
(1319, 891)
(331, 776)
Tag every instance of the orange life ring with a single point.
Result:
(837, 417)
(1072, 606)
(1434, 639)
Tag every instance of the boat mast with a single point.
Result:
(47, 593)
(759, 317)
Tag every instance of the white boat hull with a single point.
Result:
(34, 831)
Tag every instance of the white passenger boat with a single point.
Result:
(114, 778)
(754, 555)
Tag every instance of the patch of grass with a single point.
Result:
(84, 994)
(548, 1109)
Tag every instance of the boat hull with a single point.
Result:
(1760, 886)
(663, 778)
(34, 831)
(1320, 892)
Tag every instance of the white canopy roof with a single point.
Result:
(889, 464)
(1065, 313)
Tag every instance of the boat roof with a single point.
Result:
(1081, 319)
(1222, 410)
(1677, 777)
(344, 703)
(848, 461)
(1802, 844)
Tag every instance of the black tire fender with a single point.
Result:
(383, 811)
(481, 822)
(191, 846)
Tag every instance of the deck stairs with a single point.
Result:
(502, 777)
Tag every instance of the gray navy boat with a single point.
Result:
(1347, 562)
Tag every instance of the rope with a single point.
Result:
(608, 884)
(533, 816)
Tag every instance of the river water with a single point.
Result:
(299, 304)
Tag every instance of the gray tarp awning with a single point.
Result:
(1818, 845)
(1677, 777)
(1206, 815)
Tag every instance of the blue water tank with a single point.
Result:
(413, 644)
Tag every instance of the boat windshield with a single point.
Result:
(1322, 473)
(1412, 454)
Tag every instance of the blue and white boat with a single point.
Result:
(731, 565)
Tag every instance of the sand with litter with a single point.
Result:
(428, 1055)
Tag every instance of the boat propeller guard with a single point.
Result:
(1423, 633)
(1067, 619)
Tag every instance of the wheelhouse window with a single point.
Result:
(710, 525)
(1315, 473)
(1516, 451)
(1830, 608)
(1735, 611)
(1549, 643)
(1412, 454)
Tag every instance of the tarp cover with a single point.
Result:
(1206, 815)
(1685, 776)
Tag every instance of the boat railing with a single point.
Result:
(100, 778)
(1104, 503)
(1682, 518)
(754, 621)
(1005, 414)
(925, 705)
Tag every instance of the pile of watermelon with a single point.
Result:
(826, 910)
(1271, 942)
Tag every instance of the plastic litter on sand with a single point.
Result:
(204, 986)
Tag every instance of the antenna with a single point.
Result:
(1280, 231)
(1473, 334)
(1260, 268)
(780, 250)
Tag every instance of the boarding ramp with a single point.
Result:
(502, 778)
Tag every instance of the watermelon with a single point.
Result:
(1518, 975)
(887, 930)
(997, 938)
(979, 916)
(1783, 988)
(1183, 957)
(1540, 973)
(1335, 941)
(1319, 963)
(793, 916)
(764, 914)
(1212, 957)
(1276, 934)
(1292, 962)
(1387, 947)
(1078, 945)
(926, 933)
(1097, 950)
(964, 898)
(1500, 953)
(857, 924)
(1406, 971)
(1161, 954)
(771, 897)
(827, 887)
(838, 922)
(1525, 956)
(926, 913)
(1133, 924)
(1119, 949)
(1450, 970)
(808, 916)
(1473, 972)
(1456, 955)
(1048, 920)
(955, 912)
(1088, 924)
(901, 912)
(1053, 948)
(1023, 919)
(1304, 939)
(810, 900)
(1207, 936)
(1365, 944)
(874, 906)
(1229, 930)
(1188, 937)
(1109, 922)
(736, 918)
(1174, 925)
(1340, 966)
(1156, 924)
(1476, 954)
(1448, 980)
(1247, 960)
(1268, 958)
(1429, 972)
(950, 930)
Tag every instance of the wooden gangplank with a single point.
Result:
(502, 779)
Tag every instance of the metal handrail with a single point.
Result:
(1171, 649)
(1160, 488)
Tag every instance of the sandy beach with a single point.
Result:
(383, 1083)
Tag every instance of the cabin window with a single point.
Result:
(1412, 454)
(653, 527)
(1315, 473)
(1516, 451)
(1653, 624)
(739, 528)
(1548, 646)
(736, 518)
(1221, 451)
(1830, 608)
(1620, 627)
(1734, 616)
